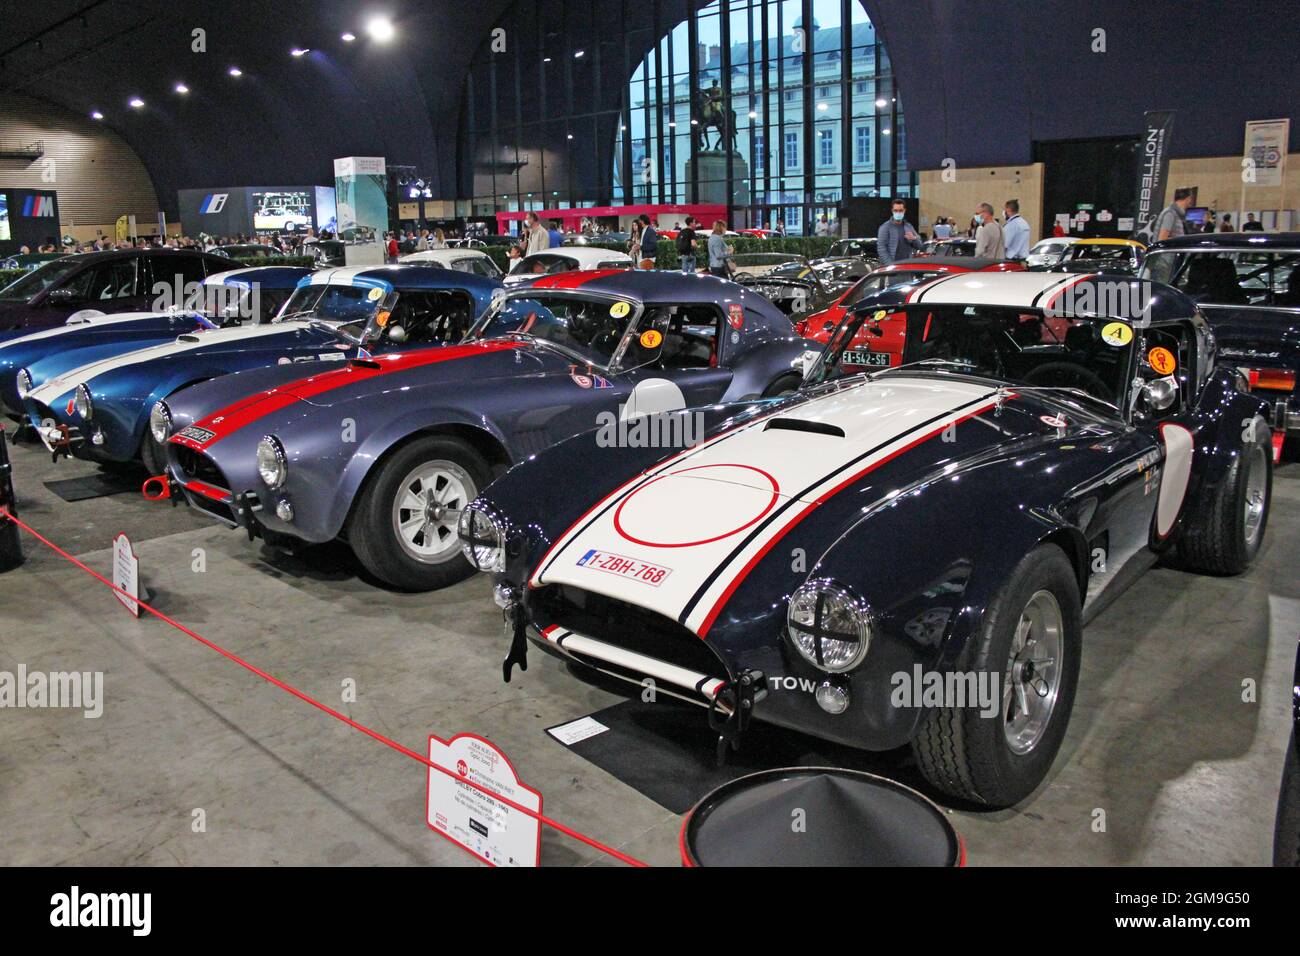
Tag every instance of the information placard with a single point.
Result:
(495, 833)
(126, 573)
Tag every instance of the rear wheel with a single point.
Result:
(785, 385)
(1030, 642)
(1224, 530)
(153, 454)
(404, 527)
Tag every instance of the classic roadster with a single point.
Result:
(103, 409)
(228, 298)
(824, 562)
(385, 452)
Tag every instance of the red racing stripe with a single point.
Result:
(575, 279)
(247, 410)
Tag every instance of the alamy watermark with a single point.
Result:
(220, 301)
(676, 429)
(55, 690)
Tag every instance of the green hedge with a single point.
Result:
(245, 262)
(10, 275)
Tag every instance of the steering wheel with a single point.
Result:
(1069, 375)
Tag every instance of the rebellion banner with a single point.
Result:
(1153, 166)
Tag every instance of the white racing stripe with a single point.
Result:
(94, 321)
(1014, 289)
(48, 391)
(704, 516)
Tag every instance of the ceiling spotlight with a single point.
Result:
(821, 107)
(884, 132)
(235, 71)
(753, 114)
(580, 54)
(380, 29)
(136, 103)
(570, 136)
(96, 114)
(880, 104)
(348, 37)
(299, 51)
(182, 88)
(672, 125)
(546, 59)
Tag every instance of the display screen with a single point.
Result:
(4, 216)
(282, 212)
(327, 218)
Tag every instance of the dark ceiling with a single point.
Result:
(980, 81)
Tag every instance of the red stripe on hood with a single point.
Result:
(247, 410)
(575, 279)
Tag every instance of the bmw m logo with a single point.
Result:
(213, 202)
(38, 207)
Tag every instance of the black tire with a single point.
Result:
(153, 454)
(968, 755)
(784, 385)
(372, 532)
(1286, 832)
(1215, 538)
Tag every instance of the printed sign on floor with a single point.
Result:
(495, 833)
(126, 573)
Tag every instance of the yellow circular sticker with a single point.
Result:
(1116, 333)
(619, 309)
(376, 295)
(1162, 360)
(651, 338)
(880, 315)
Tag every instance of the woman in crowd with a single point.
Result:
(634, 242)
(718, 249)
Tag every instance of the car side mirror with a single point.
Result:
(1160, 393)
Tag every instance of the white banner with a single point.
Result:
(1266, 145)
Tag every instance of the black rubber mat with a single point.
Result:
(666, 752)
(96, 486)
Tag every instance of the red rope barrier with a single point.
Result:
(289, 688)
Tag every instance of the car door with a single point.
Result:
(672, 359)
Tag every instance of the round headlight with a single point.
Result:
(829, 626)
(24, 382)
(160, 422)
(85, 408)
(272, 466)
(482, 540)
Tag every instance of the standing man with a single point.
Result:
(686, 245)
(649, 242)
(896, 239)
(1251, 224)
(538, 239)
(1015, 233)
(988, 234)
(557, 237)
(1173, 220)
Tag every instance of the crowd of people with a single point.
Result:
(286, 244)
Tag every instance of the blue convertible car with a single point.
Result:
(244, 296)
(1248, 285)
(101, 408)
(902, 556)
(387, 451)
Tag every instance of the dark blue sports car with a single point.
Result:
(904, 556)
(1248, 285)
(385, 452)
(243, 296)
(103, 409)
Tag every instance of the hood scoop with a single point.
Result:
(803, 425)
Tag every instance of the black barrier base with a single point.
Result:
(11, 546)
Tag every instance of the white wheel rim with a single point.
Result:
(1256, 497)
(1032, 680)
(427, 507)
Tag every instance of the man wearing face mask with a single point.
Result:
(988, 234)
(896, 239)
(1016, 231)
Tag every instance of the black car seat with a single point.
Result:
(1213, 279)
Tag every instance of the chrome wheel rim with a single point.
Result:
(427, 508)
(1031, 683)
(1256, 493)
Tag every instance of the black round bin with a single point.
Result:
(849, 818)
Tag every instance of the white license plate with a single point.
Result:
(858, 357)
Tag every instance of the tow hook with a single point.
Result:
(739, 696)
(59, 441)
(167, 489)
(513, 618)
(243, 506)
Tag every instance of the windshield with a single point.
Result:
(883, 280)
(852, 247)
(1230, 277)
(38, 280)
(349, 306)
(762, 263)
(589, 330)
(1101, 250)
(1018, 346)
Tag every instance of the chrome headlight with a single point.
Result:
(829, 626)
(272, 466)
(82, 403)
(160, 422)
(482, 540)
(24, 382)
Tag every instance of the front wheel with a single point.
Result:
(1028, 647)
(404, 527)
(785, 385)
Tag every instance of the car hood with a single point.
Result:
(706, 514)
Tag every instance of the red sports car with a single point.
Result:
(881, 343)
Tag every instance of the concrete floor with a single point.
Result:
(1185, 772)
